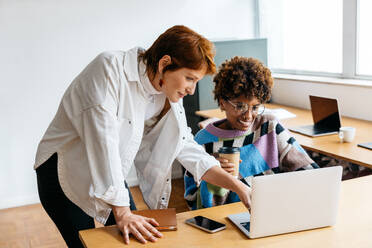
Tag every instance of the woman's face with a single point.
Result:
(236, 117)
(177, 84)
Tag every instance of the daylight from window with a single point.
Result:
(365, 38)
(303, 35)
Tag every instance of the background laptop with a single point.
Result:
(290, 202)
(325, 116)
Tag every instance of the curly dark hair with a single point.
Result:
(243, 76)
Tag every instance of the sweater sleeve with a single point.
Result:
(291, 155)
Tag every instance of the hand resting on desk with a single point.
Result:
(141, 227)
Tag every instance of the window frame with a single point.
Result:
(350, 29)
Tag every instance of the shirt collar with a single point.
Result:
(131, 64)
(145, 81)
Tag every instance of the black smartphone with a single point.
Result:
(206, 224)
(367, 145)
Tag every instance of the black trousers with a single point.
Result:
(68, 217)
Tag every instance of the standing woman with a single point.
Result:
(126, 108)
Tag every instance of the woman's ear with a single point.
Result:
(163, 62)
(222, 104)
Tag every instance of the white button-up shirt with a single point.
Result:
(98, 135)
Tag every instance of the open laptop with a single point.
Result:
(325, 116)
(290, 202)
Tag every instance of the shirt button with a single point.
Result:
(163, 198)
(130, 122)
(181, 112)
(183, 137)
(168, 180)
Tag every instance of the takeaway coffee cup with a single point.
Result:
(346, 134)
(232, 154)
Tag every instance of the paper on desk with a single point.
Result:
(280, 113)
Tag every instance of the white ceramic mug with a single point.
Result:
(346, 134)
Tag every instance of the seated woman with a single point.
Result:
(242, 85)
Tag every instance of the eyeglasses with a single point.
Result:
(242, 108)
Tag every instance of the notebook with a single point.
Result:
(165, 217)
(325, 116)
(290, 202)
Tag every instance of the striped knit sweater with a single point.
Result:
(266, 148)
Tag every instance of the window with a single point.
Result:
(317, 37)
(364, 64)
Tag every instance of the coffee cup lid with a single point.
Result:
(229, 150)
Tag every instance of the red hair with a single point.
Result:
(186, 48)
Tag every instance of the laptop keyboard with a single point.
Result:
(246, 225)
(317, 130)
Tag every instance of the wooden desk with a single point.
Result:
(329, 145)
(353, 228)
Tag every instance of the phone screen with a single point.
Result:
(205, 223)
(367, 145)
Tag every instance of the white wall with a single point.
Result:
(353, 101)
(44, 44)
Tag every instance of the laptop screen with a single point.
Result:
(325, 112)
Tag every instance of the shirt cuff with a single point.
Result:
(115, 196)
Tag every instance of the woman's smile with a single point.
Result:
(245, 124)
(181, 95)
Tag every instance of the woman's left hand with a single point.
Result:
(226, 165)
